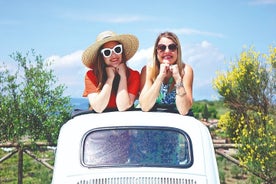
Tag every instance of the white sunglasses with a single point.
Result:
(118, 49)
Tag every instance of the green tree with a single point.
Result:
(205, 113)
(213, 112)
(206, 109)
(32, 105)
(248, 90)
(197, 109)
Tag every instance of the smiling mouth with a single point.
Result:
(114, 60)
(167, 57)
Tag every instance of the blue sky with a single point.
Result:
(212, 33)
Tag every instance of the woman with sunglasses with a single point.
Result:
(167, 82)
(109, 83)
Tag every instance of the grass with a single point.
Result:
(33, 172)
(230, 173)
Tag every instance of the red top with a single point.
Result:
(91, 83)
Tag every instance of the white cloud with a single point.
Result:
(68, 60)
(123, 19)
(140, 59)
(188, 31)
(206, 60)
(69, 71)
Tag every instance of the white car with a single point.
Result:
(134, 147)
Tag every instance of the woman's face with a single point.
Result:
(112, 53)
(166, 51)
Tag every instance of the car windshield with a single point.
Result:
(137, 146)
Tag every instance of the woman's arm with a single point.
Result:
(124, 98)
(99, 101)
(143, 76)
(150, 90)
(184, 96)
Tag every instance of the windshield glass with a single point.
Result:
(142, 146)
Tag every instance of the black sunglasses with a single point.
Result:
(161, 47)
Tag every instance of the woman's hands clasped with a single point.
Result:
(112, 71)
(167, 70)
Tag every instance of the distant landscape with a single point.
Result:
(79, 103)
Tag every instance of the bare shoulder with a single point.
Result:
(188, 67)
(146, 68)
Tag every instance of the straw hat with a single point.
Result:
(130, 45)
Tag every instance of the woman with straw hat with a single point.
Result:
(109, 83)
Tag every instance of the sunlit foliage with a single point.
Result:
(32, 105)
(248, 90)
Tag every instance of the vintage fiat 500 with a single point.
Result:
(134, 147)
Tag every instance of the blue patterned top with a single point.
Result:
(166, 96)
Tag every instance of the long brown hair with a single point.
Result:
(156, 63)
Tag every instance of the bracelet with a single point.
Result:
(178, 85)
(182, 94)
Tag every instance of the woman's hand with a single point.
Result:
(164, 70)
(175, 73)
(121, 69)
(110, 71)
